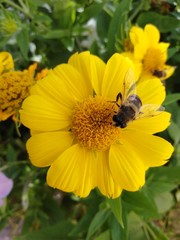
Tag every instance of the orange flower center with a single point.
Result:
(154, 60)
(92, 124)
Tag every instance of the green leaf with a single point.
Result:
(164, 23)
(159, 234)
(117, 232)
(164, 202)
(23, 42)
(141, 202)
(170, 98)
(116, 208)
(166, 174)
(103, 236)
(57, 231)
(90, 12)
(135, 227)
(57, 34)
(97, 222)
(118, 22)
(174, 132)
(11, 154)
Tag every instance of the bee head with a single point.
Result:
(118, 122)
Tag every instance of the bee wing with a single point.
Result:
(129, 84)
(150, 110)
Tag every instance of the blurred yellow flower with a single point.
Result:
(6, 62)
(70, 115)
(148, 54)
(14, 86)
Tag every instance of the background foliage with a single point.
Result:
(49, 31)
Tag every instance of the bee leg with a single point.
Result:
(119, 96)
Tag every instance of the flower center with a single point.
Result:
(154, 60)
(92, 123)
(14, 88)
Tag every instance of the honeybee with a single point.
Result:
(131, 107)
(159, 73)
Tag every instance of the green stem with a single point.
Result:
(136, 11)
(23, 10)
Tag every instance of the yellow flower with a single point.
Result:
(70, 115)
(6, 62)
(148, 54)
(14, 85)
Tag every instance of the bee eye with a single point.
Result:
(116, 118)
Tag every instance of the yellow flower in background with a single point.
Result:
(70, 115)
(14, 86)
(6, 62)
(148, 53)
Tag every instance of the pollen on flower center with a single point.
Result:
(92, 123)
(14, 88)
(154, 59)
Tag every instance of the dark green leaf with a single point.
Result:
(57, 34)
(174, 132)
(164, 23)
(117, 23)
(141, 202)
(90, 12)
(57, 231)
(103, 236)
(116, 208)
(170, 98)
(97, 222)
(23, 42)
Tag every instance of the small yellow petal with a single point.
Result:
(45, 148)
(139, 41)
(169, 70)
(151, 92)
(6, 62)
(153, 34)
(150, 124)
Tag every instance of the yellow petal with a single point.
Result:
(82, 62)
(169, 70)
(136, 35)
(114, 76)
(137, 65)
(154, 151)
(73, 171)
(151, 91)
(45, 148)
(153, 34)
(98, 69)
(105, 182)
(6, 62)
(50, 88)
(63, 85)
(163, 49)
(150, 124)
(139, 41)
(126, 166)
(39, 114)
(75, 83)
